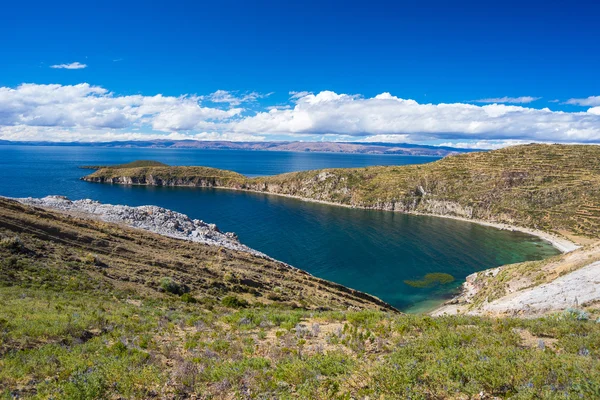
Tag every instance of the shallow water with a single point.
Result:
(372, 251)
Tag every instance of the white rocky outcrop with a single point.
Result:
(575, 289)
(151, 218)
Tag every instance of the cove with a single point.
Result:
(372, 251)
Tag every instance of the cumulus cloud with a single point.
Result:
(384, 114)
(73, 65)
(512, 100)
(588, 101)
(93, 107)
(88, 112)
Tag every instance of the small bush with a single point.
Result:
(234, 302)
(89, 258)
(170, 286)
(13, 244)
(188, 298)
(577, 314)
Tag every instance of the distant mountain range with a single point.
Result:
(328, 147)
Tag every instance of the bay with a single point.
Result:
(372, 251)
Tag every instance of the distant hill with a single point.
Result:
(326, 147)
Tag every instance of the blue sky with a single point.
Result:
(526, 54)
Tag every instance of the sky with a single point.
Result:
(462, 73)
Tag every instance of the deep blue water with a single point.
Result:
(372, 251)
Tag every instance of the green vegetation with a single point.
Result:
(548, 187)
(430, 280)
(134, 164)
(90, 310)
(234, 302)
(74, 336)
(170, 286)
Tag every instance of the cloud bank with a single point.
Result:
(92, 113)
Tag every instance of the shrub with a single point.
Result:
(188, 298)
(89, 258)
(170, 286)
(13, 244)
(234, 302)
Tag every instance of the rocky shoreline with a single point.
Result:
(435, 208)
(530, 289)
(151, 218)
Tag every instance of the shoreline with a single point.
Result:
(562, 244)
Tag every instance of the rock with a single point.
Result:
(151, 218)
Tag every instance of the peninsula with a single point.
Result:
(552, 188)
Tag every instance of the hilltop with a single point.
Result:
(93, 309)
(553, 188)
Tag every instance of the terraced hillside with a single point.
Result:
(553, 188)
(143, 262)
(94, 310)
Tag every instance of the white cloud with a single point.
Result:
(485, 144)
(73, 65)
(225, 96)
(297, 95)
(87, 112)
(384, 114)
(86, 106)
(588, 101)
(512, 100)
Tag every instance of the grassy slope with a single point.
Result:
(137, 261)
(549, 187)
(81, 318)
(133, 164)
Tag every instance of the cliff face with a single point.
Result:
(546, 187)
(159, 181)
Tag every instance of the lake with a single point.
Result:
(372, 251)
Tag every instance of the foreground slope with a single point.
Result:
(86, 313)
(554, 188)
(139, 261)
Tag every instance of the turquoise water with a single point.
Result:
(372, 251)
